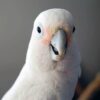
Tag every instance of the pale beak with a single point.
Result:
(58, 45)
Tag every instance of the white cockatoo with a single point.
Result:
(52, 65)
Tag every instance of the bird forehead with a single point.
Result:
(53, 17)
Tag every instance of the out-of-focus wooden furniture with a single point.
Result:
(90, 89)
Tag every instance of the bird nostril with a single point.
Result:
(54, 49)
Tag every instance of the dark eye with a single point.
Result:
(38, 29)
(74, 29)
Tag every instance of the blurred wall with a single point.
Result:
(16, 20)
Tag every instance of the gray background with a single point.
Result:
(16, 20)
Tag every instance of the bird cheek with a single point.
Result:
(47, 37)
(69, 39)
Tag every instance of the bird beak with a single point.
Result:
(58, 45)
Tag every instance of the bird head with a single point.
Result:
(51, 37)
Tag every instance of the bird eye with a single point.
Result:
(73, 29)
(38, 29)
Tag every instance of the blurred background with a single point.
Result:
(16, 22)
